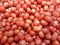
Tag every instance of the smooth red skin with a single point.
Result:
(11, 3)
(54, 36)
(48, 18)
(36, 14)
(31, 32)
(48, 36)
(20, 23)
(27, 25)
(54, 29)
(17, 12)
(13, 15)
(16, 31)
(58, 19)
(58, 26)
(28, 10)
(39, 1)
(28, 3)
(47, 41)
(7, 27)
(8, 24)
(6, 4)
(55, 14)
(1, 18)
(13, 18)
(43, 43)
(45, 30)
(22, 42)
(1, 36)
(32, 43)
(38, 41)
(6, 44)
(13, 9)
(10, 19)
(44, 23)
(26, 16)
(10, 39)
(36, 22)
(31, 17)
(55, 43)
(33, 6)
(10, 33)
(6, 33)
(58, 38)
(20, 36)
(0, 44)
(28, 38)
(2, 9)
(4, 0)
(13, 43)
(14, 27)
(41, 34)
(4, 39)
(7, 15)
(3, 24)
(24, 6)
(1, 32)
(16, 38)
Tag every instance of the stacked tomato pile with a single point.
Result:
(29, 22)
